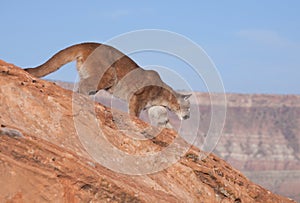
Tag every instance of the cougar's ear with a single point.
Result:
(186, 96)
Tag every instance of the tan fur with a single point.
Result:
(104, 67)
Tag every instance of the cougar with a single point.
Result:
(102, 67)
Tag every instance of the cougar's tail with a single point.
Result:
(61, 58)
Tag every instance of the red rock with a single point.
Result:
(48, 163)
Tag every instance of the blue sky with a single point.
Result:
(255, 45)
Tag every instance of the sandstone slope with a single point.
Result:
(261, 138)
(43, 160)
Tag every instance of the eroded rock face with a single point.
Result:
(261, 138)
(46, 161)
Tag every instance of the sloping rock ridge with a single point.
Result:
(260, 136)
(43, 160)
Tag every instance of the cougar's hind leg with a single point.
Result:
(108, 80)
(87, 86)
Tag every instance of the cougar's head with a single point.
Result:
(184, 111)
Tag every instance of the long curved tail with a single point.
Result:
(61, 58)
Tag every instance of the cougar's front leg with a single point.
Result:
(158, 116)
(136, 105)
(133, 106)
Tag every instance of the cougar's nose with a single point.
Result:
(186, 117)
